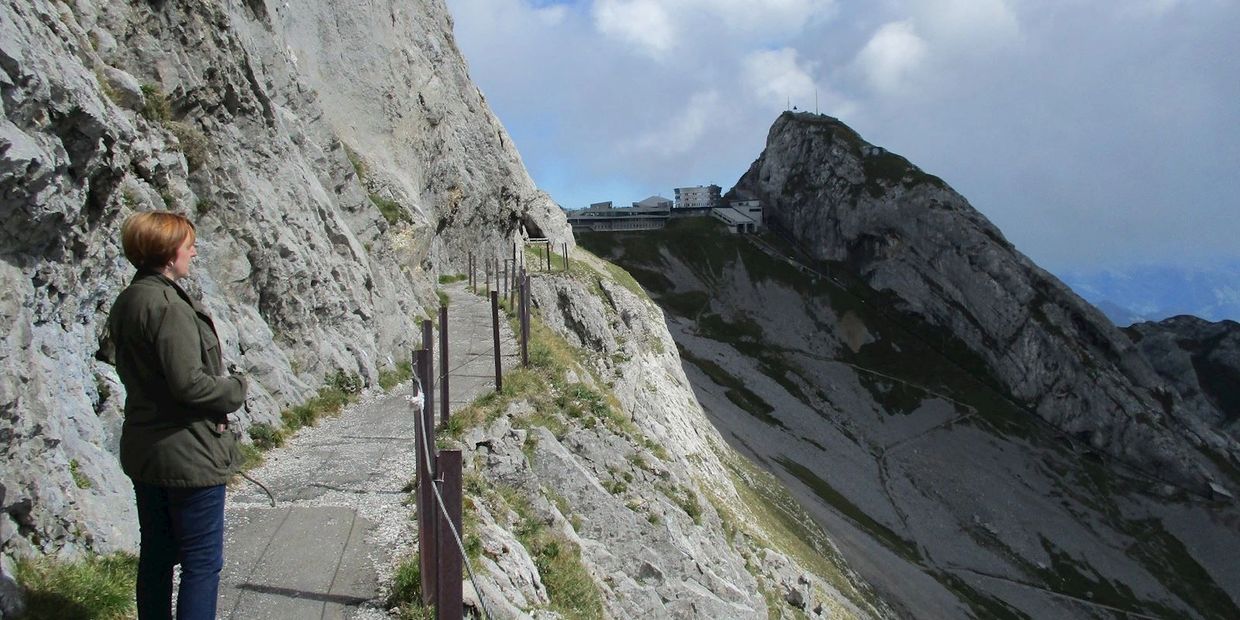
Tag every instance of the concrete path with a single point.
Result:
(340, 524)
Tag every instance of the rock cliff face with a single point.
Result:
(945, 494)
(908, 234)
(615, 457)
(333, 156)
(1201, 360)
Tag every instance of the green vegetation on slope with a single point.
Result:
(94, 588)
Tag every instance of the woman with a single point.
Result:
(175, 441)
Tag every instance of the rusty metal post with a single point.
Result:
(525, 319)
(525, 313)
(566, 269)
(449, 603)
(512, 286)
(443, 365)
(426, 498)
(499, 377)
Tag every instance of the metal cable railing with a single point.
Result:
(419, 402)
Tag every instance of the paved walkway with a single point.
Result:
(339, 525)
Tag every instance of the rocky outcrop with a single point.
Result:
(910, 236)
(1201, 360)
(643, 490)
(333, 156)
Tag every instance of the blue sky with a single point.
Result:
(1097, 135)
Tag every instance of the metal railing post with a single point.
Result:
(449, 602)
(426, 494)
(499, 377)
(443, 365)
(521, 314)
(525, 319)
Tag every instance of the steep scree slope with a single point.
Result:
(947, 493)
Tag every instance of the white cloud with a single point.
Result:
(552, 15)
(891, 55)
(966, 24)
(775, 76)
(682, 133)
(645, 24)
(759, 16)
(654, 27)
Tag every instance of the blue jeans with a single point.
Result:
(186, 527)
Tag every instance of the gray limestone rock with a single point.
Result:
(1201, 360)
(936, 258)
(334, 157)
(12, 603)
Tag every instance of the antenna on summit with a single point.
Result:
(815, 100)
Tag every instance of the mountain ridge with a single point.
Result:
(906, 232)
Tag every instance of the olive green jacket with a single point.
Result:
(167, 355)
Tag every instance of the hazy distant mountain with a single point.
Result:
(1119, 315)
(1154, 292)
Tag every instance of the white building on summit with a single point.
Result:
(653, 213)
(700, 197)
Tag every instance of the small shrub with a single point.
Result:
(194, 144)
(392, 377)
(251, 456)
(265, 436)
(359, 166)
(98, 587)
(79, 478)
(444, 299)
(391, 210)
(449, 279)
(407, 592)
(156, 108)
(204, 206)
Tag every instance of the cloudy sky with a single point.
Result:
(1095, 133)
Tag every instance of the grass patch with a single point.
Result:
(444, 299)
(784, 525)
(98, 587)
(341, 389)
(734, 389)
(391, 210)
(406, 596)
(359, 165)
(901, 546)
(570, 588)
(392, 377)
(155, 104)
(684, 498)
(982, 605)
(1166, 557)
(450, 278)
(79, 478)
(194, 144)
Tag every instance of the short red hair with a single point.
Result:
(151, 238)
